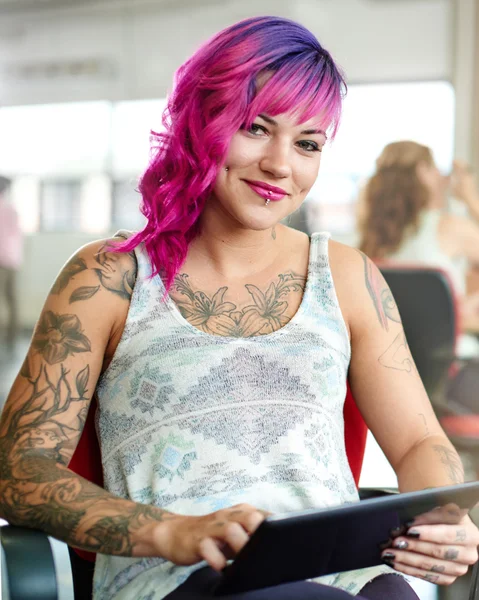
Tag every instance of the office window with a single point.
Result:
(60, 206)
(126, 206)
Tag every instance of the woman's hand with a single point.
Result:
(463, 183)
(215, 537)
(439, 553)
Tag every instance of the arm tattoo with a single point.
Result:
(398, 355)
(59, 336)
(73, 267)
(115, 271)
(425, 423)
(452, 463)
(380, 294)
(36, 488)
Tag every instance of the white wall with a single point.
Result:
(137, 49)
(44, 255)
(385, 40)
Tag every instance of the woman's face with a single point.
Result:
(275, 159)
(435, 182)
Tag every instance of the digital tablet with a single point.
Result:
(302, 545)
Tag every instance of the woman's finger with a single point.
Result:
(459, 535)
(234, 535)
(248, 516)
(461, 554)
(209, 550)
(426, 564)
(431, 576)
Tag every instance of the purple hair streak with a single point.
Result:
(260, 65)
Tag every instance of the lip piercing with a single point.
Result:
(268, 200)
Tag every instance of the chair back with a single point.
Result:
(427, 305)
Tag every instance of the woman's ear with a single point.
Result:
(423, 172)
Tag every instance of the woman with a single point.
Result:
(218, 343)
(403, 218)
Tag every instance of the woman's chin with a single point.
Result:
(258, 222)
(259, 218)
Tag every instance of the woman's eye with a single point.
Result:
(309, 146)
(256, 129)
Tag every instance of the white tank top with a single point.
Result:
(192, 422)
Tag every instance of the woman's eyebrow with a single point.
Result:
(305, 132)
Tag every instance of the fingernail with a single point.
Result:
(401, 545)
(388, 561)
(413, 533)
(396, 531)
(389, 556)
(384, 545)
(409, 523)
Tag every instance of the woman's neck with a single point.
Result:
(238, 253)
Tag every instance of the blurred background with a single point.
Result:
(82, 83)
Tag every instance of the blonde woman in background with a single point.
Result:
(403, 217)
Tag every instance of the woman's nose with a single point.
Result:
(277, 161)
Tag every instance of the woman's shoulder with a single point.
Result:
(348, 264)
(102, 262)
(350, 269)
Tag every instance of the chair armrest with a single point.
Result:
(474, 589)
(34, 566)
(368, 493)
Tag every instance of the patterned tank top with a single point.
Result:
(193, 422)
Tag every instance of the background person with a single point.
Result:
(403, 217)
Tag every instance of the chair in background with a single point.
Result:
(429, 311)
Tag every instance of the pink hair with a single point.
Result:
(216, 93)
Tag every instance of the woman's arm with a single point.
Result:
(43, 419)
(385, 381)
(46, 409)
(395, 406)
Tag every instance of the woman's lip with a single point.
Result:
(266, 193)
(267, 187)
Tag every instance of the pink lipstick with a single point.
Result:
(266, 191)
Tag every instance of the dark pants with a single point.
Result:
(8, 295)
(200, 584)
